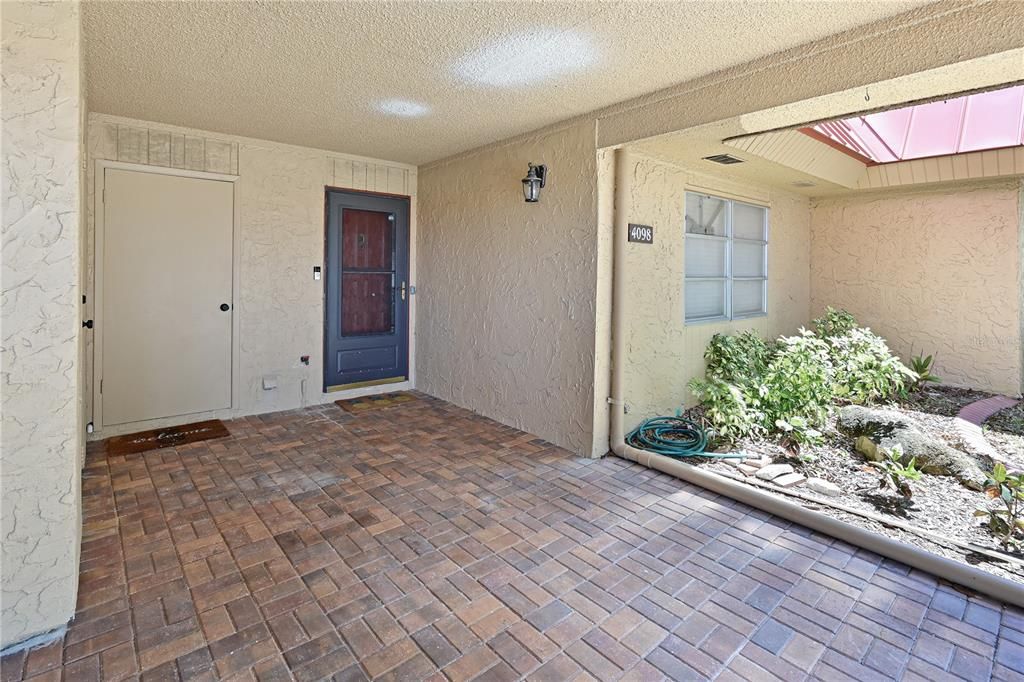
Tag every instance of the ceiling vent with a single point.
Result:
(803, 183)
(726, 159)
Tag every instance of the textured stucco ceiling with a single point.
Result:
(418, 81)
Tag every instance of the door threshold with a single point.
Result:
(364, 384)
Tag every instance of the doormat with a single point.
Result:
(375, 402)
(168, 436)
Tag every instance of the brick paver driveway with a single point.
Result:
(423, 538)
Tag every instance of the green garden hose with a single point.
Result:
(673, 437)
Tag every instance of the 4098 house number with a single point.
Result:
(641, 234)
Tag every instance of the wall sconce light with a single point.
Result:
(534, 180)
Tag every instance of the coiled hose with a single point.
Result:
(673, 437)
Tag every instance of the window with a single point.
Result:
(726, 265)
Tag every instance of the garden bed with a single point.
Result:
(832, 419)
(941, 508)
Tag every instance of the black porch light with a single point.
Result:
(534, 180)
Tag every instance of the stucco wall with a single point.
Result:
(934, 271)
(506, 321)
(663, 353)
(279, 224)
(41, 434)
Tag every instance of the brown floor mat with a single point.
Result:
(375, 402)
(166, 437)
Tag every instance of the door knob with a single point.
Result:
(225, 307)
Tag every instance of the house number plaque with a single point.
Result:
(641, 234)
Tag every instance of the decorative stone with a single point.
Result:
(773, 471)
(747, 470)
(886, 428)
(789, 480)
(823, 487)
(867, 447)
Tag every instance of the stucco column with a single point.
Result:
(42, 435)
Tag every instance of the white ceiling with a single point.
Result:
(419, 81)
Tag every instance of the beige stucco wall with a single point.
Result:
(506, 321)
(41, 439)
(934, 271)
(663, 353)
(279, 237)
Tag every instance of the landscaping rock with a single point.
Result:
(867, 447)
(886, 428)
(748, 470)
(823, 487)
(789, 480)
(773, 471)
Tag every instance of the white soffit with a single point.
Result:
(418, 81)
(796, 150)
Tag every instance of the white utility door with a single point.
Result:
(166, 296)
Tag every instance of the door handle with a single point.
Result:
(225, 307)
(403, 291)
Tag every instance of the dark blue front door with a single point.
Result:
(367, 288)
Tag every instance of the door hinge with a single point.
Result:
(103, 196)
(101, 386)
(87, 324)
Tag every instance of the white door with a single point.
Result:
(166, 296)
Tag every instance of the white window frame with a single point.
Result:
(728, 279)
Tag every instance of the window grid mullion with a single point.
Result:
(728, 259)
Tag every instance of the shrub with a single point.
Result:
(797, 381)
(726, 408)
(752, 387)
(738, 358)
(865, 368)
(834, 323)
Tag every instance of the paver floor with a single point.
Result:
(426, 542)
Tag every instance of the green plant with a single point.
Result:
(896, 473)
(797, 382)
(865, 369)
(789, 386)
(921, 366)
(834, 323)
(737, 358)
(752, 388)
(799, 429)
(797, 432)
(726, 409)
(1006, 522)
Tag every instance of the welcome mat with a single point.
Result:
(375, 402)
(166, 437)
